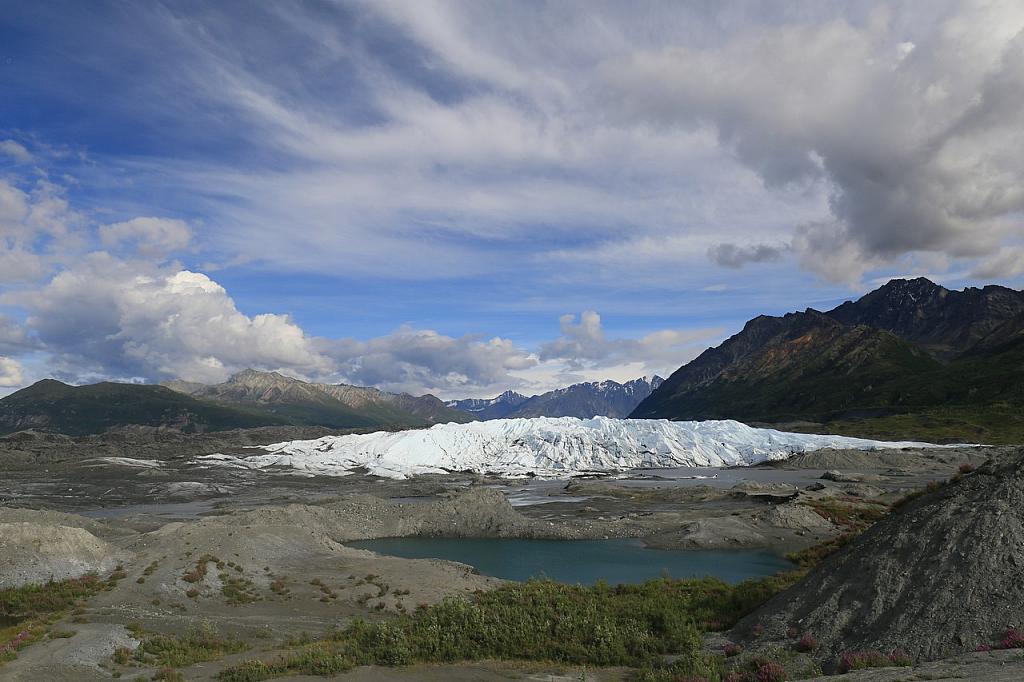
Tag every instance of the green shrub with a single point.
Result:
(199, 643)
(537, 620)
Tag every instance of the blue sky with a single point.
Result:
(462, 197)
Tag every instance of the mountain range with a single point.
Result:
(595, 398)
(254, 398)
(51, 405)
(331, 405)
(248, 399)
(910, 359)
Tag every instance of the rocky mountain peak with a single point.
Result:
(255, 377)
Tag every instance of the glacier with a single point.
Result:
(548, 447)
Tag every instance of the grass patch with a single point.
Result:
(539, 620)
(854, 518)
(33, 601)
(933, 486)
(238, 591)
(995, 424)
(198, 573)
(200, 643)
(34, 608)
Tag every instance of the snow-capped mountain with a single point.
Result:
(591, 399)
(490, 408)
(548, 447)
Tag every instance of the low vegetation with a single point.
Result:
(627, 625)
(996, 424)
(33, 609)
(632, 625)
(200, 643)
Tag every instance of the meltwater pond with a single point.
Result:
(581, 561)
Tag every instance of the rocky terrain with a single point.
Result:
(936, 577)
(261, 555)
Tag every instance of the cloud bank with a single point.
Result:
(563, 157)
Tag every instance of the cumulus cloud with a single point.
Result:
(13, 337)
(419, 360)
(583, 343)
(914, 139)
(148, 236)
(1004, 264)
(10, 372)
(114, 318)
(37, 229)
(736, 256)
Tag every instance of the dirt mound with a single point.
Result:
(35, 552)
(909, 459)
(938, 576)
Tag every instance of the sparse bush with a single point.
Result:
(199, 643)
(932, 487)
(168, 675)
(807, 643)
(769, 671)
(860, 660)
(967, 468)
(537, 620)
(1013, 639)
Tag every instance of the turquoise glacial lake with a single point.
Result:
(581, 561)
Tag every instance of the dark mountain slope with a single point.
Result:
(866, 374)
(946, 323)
(804, 366)
(81, 410)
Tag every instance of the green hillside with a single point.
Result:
(810, 371)
(81, 410)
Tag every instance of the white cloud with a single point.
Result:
(15, 150)
(916, 144)
(583, 343)
(150, 236)
(422, 360)
(1006, 263)
(37, 230)
(118, 318)
(10, 372)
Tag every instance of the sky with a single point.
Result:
(465, 197)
